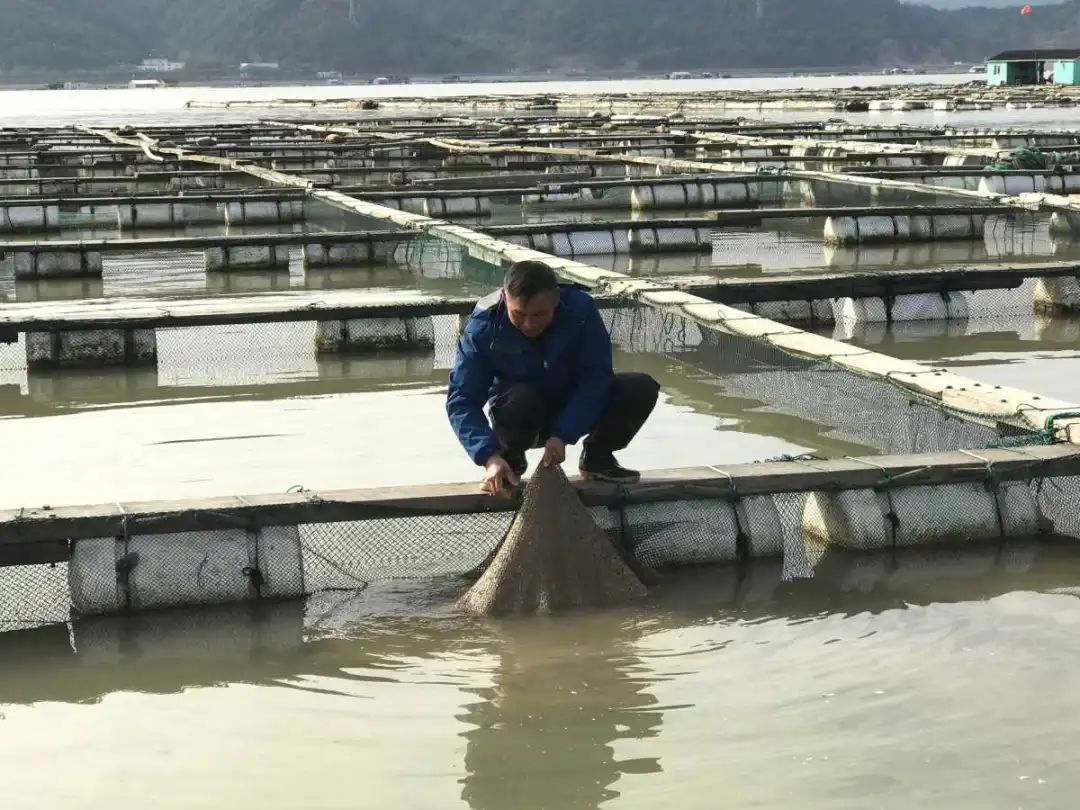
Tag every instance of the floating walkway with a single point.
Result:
(273, 546)
(741, 334)
(254, 207)
(955, 393)
(85, 257)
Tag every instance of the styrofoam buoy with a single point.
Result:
(764, 527)
(852, 519)
(852, 230)
(1057, 294)
(856, 310)
(1012, 184)
(683, 533)
(190, 568)
(1065, 223)
(952, 513)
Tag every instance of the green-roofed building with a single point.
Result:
(1035, 66)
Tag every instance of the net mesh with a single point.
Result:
(869, 411)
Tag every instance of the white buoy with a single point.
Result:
(189, 568)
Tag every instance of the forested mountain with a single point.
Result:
(410, 36)
(1017, 4)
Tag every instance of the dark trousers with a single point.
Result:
(522, 419)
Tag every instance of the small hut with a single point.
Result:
(1034, 66)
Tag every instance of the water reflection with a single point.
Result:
(569, 711)
(545, 668)
(544, 733)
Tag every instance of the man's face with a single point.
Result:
(532, 316)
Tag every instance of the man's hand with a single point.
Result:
(554, 452)
(499, 479)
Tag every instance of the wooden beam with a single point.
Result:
(156, 313)
(879, 284)
(49, 525)
(203, 242)
(136, 313)
(186, 198)
(748, 216)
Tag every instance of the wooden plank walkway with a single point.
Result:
(963, 396)
(870, 284)
(53, 527)
(143, 313)
(192, 243)
(745, 217)
(277, 307)
(253, 194)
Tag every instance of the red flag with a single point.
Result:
(1025, 10)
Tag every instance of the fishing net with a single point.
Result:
(553, 557)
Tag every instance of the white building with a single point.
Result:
(160, 66)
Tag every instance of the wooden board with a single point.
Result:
(870, 284)
(49, 525)
(178, 198)
(143, 313)
(203, 242)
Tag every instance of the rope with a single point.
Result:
(254, 571)
(993, 487)
(311, 495)
(885, 485)
(1048, 426)
(743, 552)
(127, 562)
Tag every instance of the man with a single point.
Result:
(538, 354)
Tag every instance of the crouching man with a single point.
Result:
(538, 355)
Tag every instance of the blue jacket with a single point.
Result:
(571, 366)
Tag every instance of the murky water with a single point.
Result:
(946, 681)
(216, 416)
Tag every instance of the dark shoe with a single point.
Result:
(605, 468)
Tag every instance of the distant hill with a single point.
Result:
(953, 4)
(459, 36)
(980, 3)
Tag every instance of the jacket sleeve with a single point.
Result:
(594, 380)
(470, 381)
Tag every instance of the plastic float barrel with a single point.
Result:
(644, 239)
(819, 311)
(920, 516)
(864, 229)
(1057, 295)
(912, 307)
(1065, 222)
(438, 207)
(693, 195)
(1012, 184)
(109, 575)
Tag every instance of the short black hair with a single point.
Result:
(524, 280)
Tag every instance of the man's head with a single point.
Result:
(531, 291)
